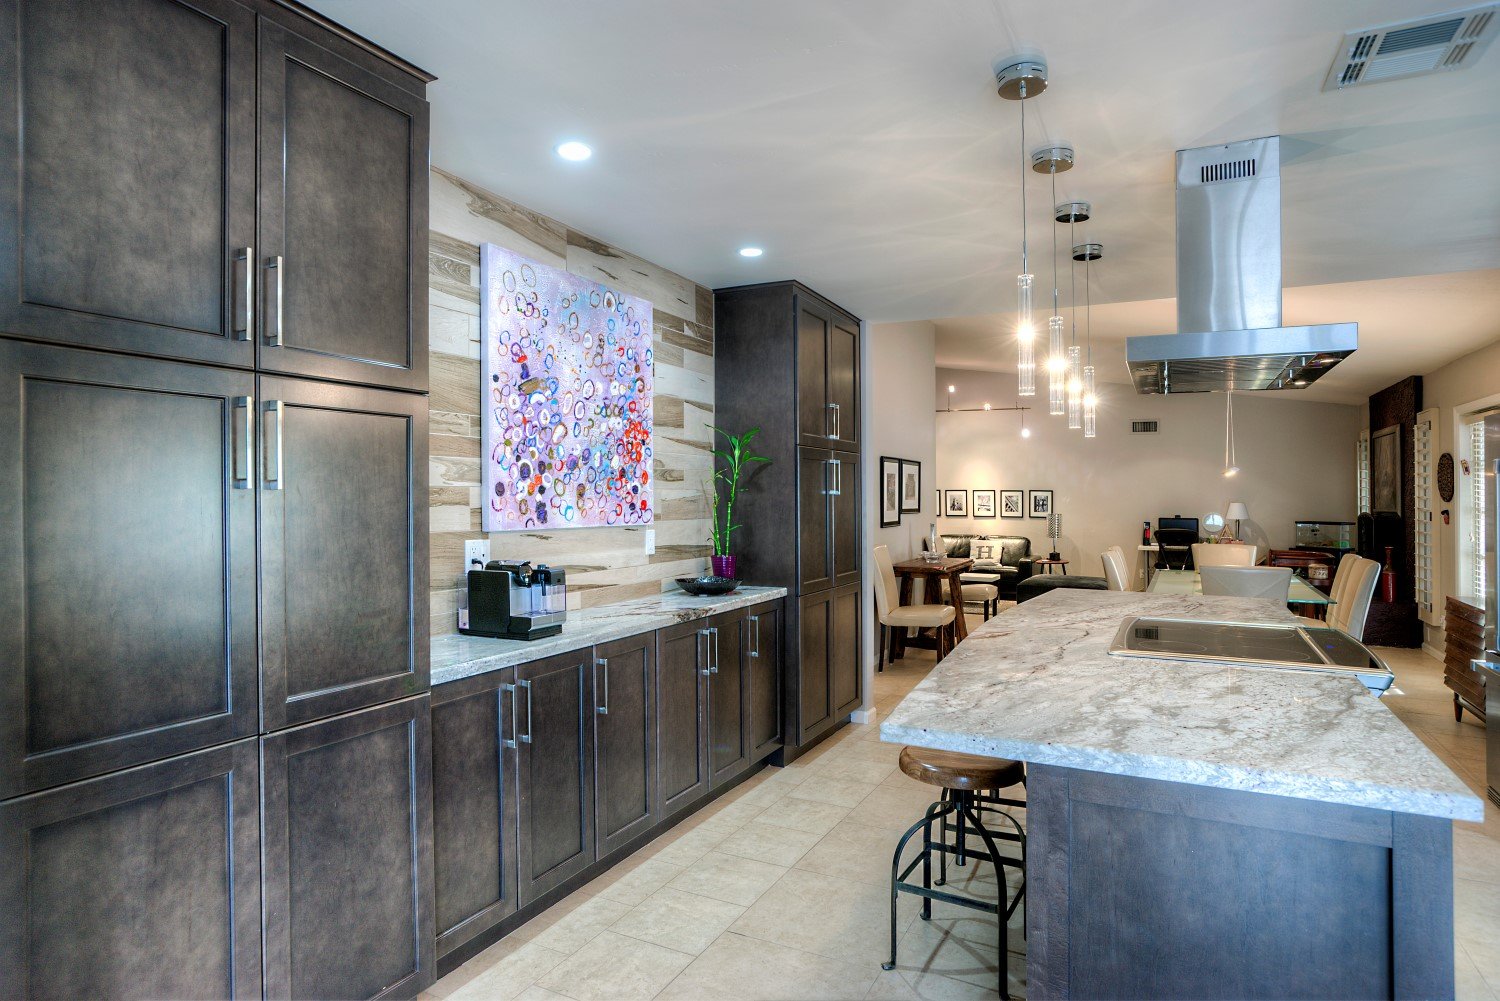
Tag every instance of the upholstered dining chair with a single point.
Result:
(1116, 573)
(894, 615)
(1222, 554)
(1248, 582)
(1348, 569)
(1354, 607)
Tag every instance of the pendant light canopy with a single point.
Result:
(1017, 82)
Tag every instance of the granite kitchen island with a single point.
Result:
(1199, 830)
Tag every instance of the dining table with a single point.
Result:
(931, 573)
(1301, 597)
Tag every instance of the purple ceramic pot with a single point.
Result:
(724, 566)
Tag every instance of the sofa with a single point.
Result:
(1010, 559)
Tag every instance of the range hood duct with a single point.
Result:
(1229, 285)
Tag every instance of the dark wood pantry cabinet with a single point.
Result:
(800, 515)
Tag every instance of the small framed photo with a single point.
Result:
(1012, 503)
(911, 485)
(1040, 503)
(984, 503)
(956, 503)
(890, 491)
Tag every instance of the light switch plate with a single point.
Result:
(650, 541)
(476, 549)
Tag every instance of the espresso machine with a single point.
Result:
(515, 601)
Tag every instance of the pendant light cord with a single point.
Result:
(1072, 276)
(1024, 269)
(1055, 289)
(1088, 308)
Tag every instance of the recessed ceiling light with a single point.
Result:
(574, 150)
(751, 251)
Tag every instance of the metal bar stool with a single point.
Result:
(970, 787)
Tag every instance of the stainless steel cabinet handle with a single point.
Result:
(714, 668)
(830, 420)
(704, 655)
(244, 293)
(838, 421)
(754, 621)
(525, 738)
(274, 272)
(271, 444)
(837, 468)
(243, 445)
(601, 665)
(511, 740)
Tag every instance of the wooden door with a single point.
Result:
(815, 473)
(343, 218)
(843, 381)
(762, 654)
(624, 741)
(473, 806)
(728, 744)
(555, 771)
(844, 518)
(144, 883)
(843, 652)
(127, 562)
(347, 807)
(682, 738)
(127, 175)
(814, 415)
(813, 692)
(343, 536)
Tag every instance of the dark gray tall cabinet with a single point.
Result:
(214, 722)
(787, 361)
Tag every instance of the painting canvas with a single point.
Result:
(565, 398)
(911, 485)
(890, 492)
(1385, 469)
(1012, 503)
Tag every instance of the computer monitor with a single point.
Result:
(1178, 522)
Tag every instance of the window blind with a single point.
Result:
(1476, 505)
(1425, 543)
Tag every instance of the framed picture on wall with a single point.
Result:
(911, 485)
(890, 491)
(956, 503)
(1041, 503)
(1385, 469)
(1012, 503)
(984, 503)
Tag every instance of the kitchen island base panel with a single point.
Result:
(1144, 888)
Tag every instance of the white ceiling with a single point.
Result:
(861, 142)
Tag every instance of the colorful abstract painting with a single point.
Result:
(565, 400)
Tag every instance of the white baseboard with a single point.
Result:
(862, 716)
(1433, 651)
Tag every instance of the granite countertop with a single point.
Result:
(457, 656)
(1036, 683)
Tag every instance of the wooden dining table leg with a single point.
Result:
(956, 595)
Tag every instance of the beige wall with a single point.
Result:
(1296, 460)
(604, 564)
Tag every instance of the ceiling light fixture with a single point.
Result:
(1087, 252)
(751, 251)
(1230, 469)
(574, 150)
(1050, 160)
(1072, 213)
(1017, 82)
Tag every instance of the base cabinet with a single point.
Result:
(144, 883)
(554, 735)
(347, 811)
(625, 794)
(763, 679)
(682, 733)
(828, 685)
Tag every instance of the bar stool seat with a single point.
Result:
(952, 770)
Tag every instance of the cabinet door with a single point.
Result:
(127, 175)
(127, 562)
(813, 689)
(814, 415)
(728, 747)
(844, 518)
(682, 738)
(843, 651)
(843, 381)
(555, 771)
(141, 884)
(347, 809)
(624, 741)
(473, 807)
(762, 652)
(343, 218)
(343, 536)
(814, 542)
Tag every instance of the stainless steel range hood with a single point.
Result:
(1229, 285)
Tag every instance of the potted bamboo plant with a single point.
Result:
(734, 461)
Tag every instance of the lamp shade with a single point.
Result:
(1236, 512)
(1054, 525)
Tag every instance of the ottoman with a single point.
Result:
(1033, 586)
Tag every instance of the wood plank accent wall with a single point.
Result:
(604, 565)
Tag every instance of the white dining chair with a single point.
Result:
(1348, 569)
(1248, 582)
(894, 615)
(1354, 607)
(1116, 574)
(1222, 554)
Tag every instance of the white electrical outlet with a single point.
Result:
(650, 541)
(476, 550)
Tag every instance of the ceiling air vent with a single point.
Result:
(1144, 427)
(1413, 48)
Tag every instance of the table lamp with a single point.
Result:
(1054, 531)
(1236, 514)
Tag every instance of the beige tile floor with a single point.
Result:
(779, 889)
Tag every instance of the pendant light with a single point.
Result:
(1017, 82)
(1073, 213)
(1052, 160)
(1089, 252)
(1230, 469)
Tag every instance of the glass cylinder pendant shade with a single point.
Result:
(1075, 388)
(1090, 403)
(1025, 339)
(1057, 367)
